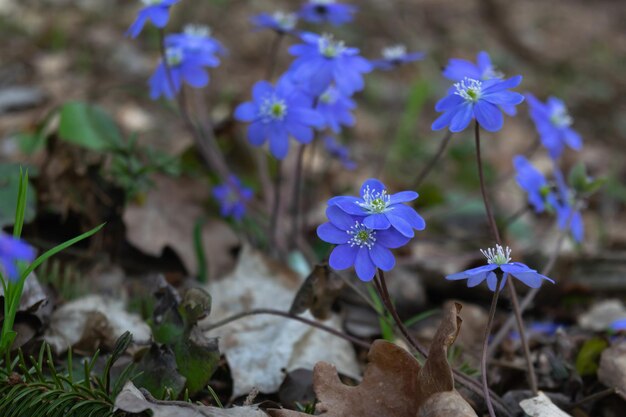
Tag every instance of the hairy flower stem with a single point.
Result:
(286, 314)
(443, 145)
(273, 54)
(276, 205)
(295, 204)
(468, 382)
(483, 359)
(532, 378)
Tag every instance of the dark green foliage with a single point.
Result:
(34, 387)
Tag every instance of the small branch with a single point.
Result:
(443, 145)
(490, 217)
(285, 314)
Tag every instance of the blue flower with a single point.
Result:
(358, 245)
(157, 11)
(532, 181)
(569, 217)
(182, 67)
(618, 325)
(279, 22)
(472, 98)
(500, 258)
(340, 152)
(394, 56)
(320, 11)
(483, 70)
(13, 250)
(553, 124)
(275, 114)
(335, 109)
(196, 41)
(381, 211)
(322, 61)
(232, 197)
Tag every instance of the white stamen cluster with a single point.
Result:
(173, 56)
(469, 88)
(361, 236)
(329, 47)
(561, 118)
(395, 52)
(286, 21)
(497, 255)
(273, 108)
(198, 31)
(374, 201)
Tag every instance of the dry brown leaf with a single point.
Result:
(167, 218)
(393, 384)
(612, 370)
(131, 400)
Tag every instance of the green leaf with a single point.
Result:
(197, 358)
(588, 357)
(158, 372)
(10, 196)
(578, 177)
(88, 126)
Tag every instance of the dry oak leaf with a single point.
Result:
(394, 385)
(612, 370)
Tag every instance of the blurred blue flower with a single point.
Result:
(483, 70)
(553, 124)
(320, 11)
(279, 22)
(500, 258)
(340, 152)
(322, 60)
(182, 67)
(196, 41)
(358, 245)
(232, 197)
(394, 56)
(335, 109)
(538, 328)
(471, 98)
(531, 180)
(569, 218)
(618, 325)
(275, 113)
(381, 211)
(13, 250)
(157, 11)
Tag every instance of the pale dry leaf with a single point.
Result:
(33, 296)
(131, 400)
(612, 370)
(541, 406)
(602, 314)
(167, 218)
(91, 322)
(259, 349)
(446, 404)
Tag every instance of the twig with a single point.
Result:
(443, 145)
(483, 358)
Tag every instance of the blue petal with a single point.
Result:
(391, 238)
(382, 257)
(448, 102)
(489, 116)
(443, 120)
(492, 280)
(377, 222)
(373, 185)
(475, 280)
(532, 279)
(462, 118)
(135, 29)
(158, 15)
(246, 112)
(349, 204)
(365, 268)
(257, 133)
(403, 197)
(331, 234)
(572, 138)
(400, 224)
(301, 133)
(577, 227)
(195, 76)
(279, 142)
(261, 90)
(457, 69)
(410, 215)
(504, 98)
(343, 257)
(470, 272)
(503, 85)
(340, 218)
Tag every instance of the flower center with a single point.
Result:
(286, 21)
(197, 31)
(329, 96)
(361, 236)
(469, 88)
(393, 53)
(329, 47)
(273, 108)
(375, 202)
(151, 2)
(173, 56)
(560, 117)
(497, 255)
(491, 73)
